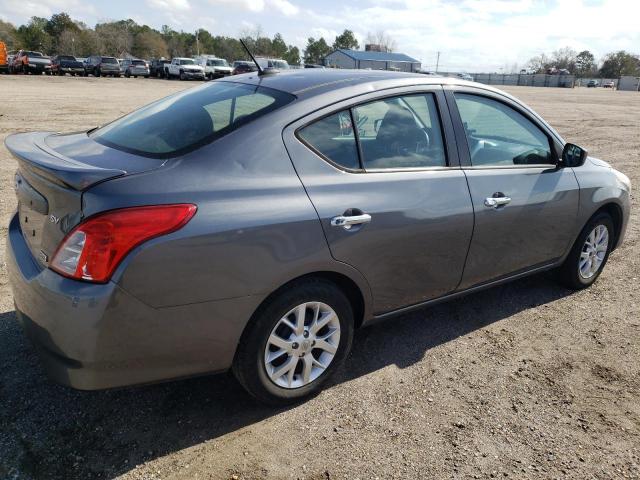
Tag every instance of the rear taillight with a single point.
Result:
(93, 249)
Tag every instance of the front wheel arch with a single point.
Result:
(615, 212)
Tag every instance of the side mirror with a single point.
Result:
(573, 155)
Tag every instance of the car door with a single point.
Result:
(525, 206)
(389, 193)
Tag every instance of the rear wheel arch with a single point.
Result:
(347, 285)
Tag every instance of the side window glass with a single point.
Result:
(333, 137)
(499, 135)
(400, 132)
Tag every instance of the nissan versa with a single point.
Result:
(253, 224)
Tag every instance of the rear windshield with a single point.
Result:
(109, 60)
(138, 62)
(67, 57)
(187, 120)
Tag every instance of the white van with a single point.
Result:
(273, 63)
(214, 67)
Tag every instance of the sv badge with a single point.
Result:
(54, 219)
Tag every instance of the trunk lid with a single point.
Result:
(53, 171)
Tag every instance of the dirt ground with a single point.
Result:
(526, 380)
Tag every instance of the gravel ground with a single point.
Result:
(526, 380)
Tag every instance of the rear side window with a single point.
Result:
(400, 132)
(333, 138)
(187, 120)
(393, 134)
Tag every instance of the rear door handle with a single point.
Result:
(496, 201)
(347, 222)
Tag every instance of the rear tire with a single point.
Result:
(589, 253)
(309, 356)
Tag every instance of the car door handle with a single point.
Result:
(496, 202)
(348, 221)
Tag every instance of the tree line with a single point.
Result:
(583, 64)
(61, 34)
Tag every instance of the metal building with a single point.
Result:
(371, 60)
(629, 83)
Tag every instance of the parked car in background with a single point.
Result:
(10, 56)
(276, 63)
(465, 76)
(28, 61)
(609, 84)
(184, 69)
(134, 68)
(214, 67)
(593, 83)
(4, 63)
(246, 225)
(98, 66)
(313, 65)
(63, 64)
(242, 66)
(428, 72)
(156, 67)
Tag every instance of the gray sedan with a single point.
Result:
(255, 223)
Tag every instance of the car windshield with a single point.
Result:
(217, 63)
(186, 61)
(280, 64)
(109, 60)
(67, 57)
(33, 54)
(190, 119)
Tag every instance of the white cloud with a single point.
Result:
(250, 5)
(285, 7)
(170, 5)
(20, 11)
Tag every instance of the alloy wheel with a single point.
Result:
(302, 345)
(593, 252)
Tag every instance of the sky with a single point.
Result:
(471, 35)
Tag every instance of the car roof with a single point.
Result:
(310, 82)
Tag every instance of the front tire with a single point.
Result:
(295, 342)
(589, 253)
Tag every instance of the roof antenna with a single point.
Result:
(261, 71)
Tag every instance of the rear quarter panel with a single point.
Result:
(255, 228)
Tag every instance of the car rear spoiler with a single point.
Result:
(32, 153)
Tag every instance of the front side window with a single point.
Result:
(498, 135)
(333, 138)
(400, 132)
(190, 119)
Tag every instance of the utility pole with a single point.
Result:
(437, 62)
(197, 43)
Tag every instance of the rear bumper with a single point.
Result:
(34, 67)
(139, 73)
(92, 336)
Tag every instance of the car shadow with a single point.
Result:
(55, 432)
